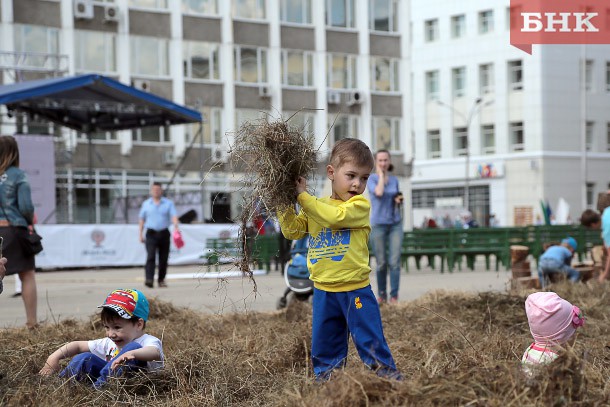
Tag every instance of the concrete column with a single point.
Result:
(319, 77)
(123, 58)
(363, 70)
(7, 43)
(274, 63)
(226, 69)
(177, 133)
(407, 129)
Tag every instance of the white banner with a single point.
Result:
(119, 245)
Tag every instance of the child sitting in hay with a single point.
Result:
(558, 259)
(338, 260)
(126, 347)
(553, 322)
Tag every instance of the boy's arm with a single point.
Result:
(65, 351)
(350, 214)
(293, 226)
(145, 354)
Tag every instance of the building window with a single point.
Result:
(149, 56)
(431, 30)
(384, 74)
(99, 136)
(212, 131)
(342, 71)
(432, 85)
(148, 3)
(296, 11)
(250, 65)
(460, 135)
(486, 21)
(458, 26)
(297, 68)
(251, 116)
(589, 83)
(589, 135)
(151, 135)
(489, 139)
(486, 79)
(200, 7)
(38, 39)
(607, 76)
(250, 9)
(590, 193)
(200, 60)
(340, 13)
(302, 120)
(434, 143)
(383, 15)
(386, 133)
(515, 133)
(515, 75)
(344, 126)
(94, 51)
(458, 81)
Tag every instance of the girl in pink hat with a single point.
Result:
(553, 322)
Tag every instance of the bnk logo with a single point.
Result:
(559, 22)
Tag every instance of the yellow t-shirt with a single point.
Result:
(338, 254)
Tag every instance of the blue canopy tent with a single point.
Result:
(89, 103)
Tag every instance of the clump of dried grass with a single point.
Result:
(275, 154)
(262, 359)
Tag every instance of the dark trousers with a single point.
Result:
(157, 241)
(89, 367)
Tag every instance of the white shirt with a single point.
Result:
(106, 349)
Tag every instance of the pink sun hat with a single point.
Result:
(552, 319)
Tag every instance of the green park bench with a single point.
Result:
(265, 251)
(487, 242)
(452, 245)
(426, 243)
(218, 250)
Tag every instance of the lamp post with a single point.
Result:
(467, 121)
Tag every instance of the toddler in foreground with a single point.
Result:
(125, 348)
(553, 322)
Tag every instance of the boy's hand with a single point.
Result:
(49, 368)
(301, 185)
(127, 356)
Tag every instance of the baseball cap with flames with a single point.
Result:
(127, 303)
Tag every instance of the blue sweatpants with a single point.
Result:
(335, 316)
(87, 366)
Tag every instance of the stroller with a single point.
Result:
(296, 275)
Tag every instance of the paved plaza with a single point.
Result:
(76, 293)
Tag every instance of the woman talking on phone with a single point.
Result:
(16, 217)
(386, 226)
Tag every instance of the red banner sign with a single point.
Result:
(559, 22)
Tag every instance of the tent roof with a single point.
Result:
(94, 102)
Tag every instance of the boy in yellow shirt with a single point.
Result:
(338, 262)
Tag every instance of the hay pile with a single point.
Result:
(275, 155)
(262, 359)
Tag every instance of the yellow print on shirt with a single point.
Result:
(328, 244)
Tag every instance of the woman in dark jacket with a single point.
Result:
(16, 218)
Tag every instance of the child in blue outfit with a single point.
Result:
(126, 347)
(338, 261)
(557, 259)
